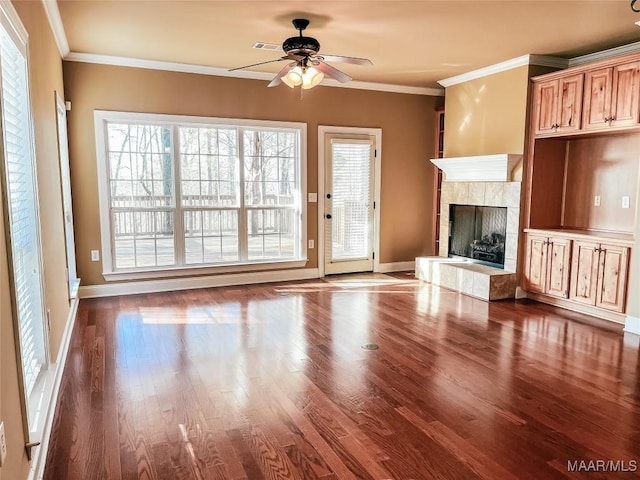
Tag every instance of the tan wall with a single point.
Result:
(407, 123)
(46, 77)
(487, 115)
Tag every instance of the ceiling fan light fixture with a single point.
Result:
(311, 77)
(294, 77)
(307, 77)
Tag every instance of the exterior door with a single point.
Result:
(65, 177)
(17, 167)
(348, 204)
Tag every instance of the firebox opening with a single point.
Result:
(478, 233)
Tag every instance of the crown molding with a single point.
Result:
(55, 21)
(541, 60)
(246, 74)
(605, 54)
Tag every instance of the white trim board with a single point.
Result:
(247, 74)
(36, 470)
(333, 130)
(543, 61)
(529, 59)
(55, 22)
(604, 54)
(168, 285)
(632, 325)
(397, 267)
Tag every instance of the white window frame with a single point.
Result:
(110, 273)
(35, 405)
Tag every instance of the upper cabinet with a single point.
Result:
(558, 105)
(610, 98)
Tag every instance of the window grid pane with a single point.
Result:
(271, 233)
(143, 238)
(269, 168)
(142, 186)
(209, 172)
(211, 236)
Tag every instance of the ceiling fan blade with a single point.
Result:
(332, 72)
(277, 80)
(341, 59)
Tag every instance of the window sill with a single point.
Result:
(171, 272)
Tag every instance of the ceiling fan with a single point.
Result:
(306, 67)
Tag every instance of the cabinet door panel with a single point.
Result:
(559, 251)
(546, 106)
(612, 277)
(570, 103)
(597, 104)
(625, 102)
(535, 269)
(584, 272)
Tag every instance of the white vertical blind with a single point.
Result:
(351, 178)
(22, 213)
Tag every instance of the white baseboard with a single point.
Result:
(223, 280)
(39, 458)
(396, 267)
(632, 325)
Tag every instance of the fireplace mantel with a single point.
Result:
(479, 168)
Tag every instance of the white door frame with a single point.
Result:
(376, 133)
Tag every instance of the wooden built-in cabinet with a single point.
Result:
(599, 273)
(546, 267)
(588, 98)
(584, 271)
(558, 105)
(581, 186)
(612, 97)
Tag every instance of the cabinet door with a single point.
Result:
(625, 102)
(535, 268)
(612, 277)
(597, 98)
(559, 251)
(584, 272)
(546, 106)
(569, 103)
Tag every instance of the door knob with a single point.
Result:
(328, 195)
(328, 216)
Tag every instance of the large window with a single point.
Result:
(183, 192)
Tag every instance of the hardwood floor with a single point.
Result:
(270, 381)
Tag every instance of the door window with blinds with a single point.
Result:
(349, 223)
(21, 208)
(183, 192)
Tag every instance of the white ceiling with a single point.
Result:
(414, 43)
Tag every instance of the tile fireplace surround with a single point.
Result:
(464, 276)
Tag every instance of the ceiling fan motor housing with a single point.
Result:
(301, 45)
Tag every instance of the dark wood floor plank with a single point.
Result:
(270, 382)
